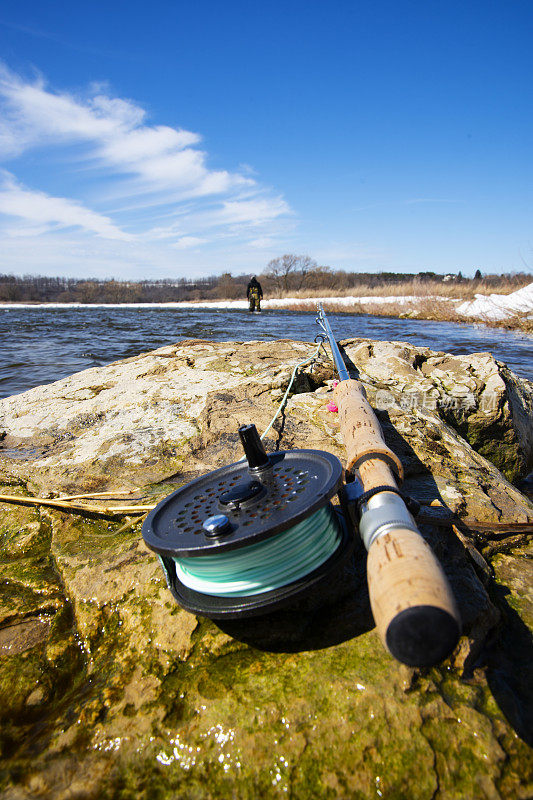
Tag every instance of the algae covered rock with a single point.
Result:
(109, 690)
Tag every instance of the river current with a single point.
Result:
(39, 345)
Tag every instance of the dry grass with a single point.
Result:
(463, 290)
(422, 309)
(430, 309)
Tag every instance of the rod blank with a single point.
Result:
(337, 357)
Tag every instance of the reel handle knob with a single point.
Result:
(255, 453)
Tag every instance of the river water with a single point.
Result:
(40, 345)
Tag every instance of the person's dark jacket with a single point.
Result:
(254, 284)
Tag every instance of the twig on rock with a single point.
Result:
(116, 493)
(130, 523)
(79, 508)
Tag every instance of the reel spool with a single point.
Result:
(253, 536)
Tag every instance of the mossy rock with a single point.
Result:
(109, 690)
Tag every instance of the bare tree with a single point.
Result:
(321, 278)
(289, 271)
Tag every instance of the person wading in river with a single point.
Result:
(254, 293)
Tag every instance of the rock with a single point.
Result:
(109, 689)
(481, 398)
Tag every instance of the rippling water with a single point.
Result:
(41, 345)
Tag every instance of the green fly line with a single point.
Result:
(291, 381)
(267, 565)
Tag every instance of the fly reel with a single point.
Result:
(253, 536)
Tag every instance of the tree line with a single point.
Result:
(283, 275)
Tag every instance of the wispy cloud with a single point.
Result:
(120, 177)
(231, 215)
(45, 213)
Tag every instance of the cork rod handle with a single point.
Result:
(413, 606)
(412, 603)
(360, 429)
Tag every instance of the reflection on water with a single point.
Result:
(41, 345)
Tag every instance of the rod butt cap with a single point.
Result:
(421, 636)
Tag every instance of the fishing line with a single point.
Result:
(291, 381)
(266, 565)
(281, 406)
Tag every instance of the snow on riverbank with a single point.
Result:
(285, 302)
(499, 306)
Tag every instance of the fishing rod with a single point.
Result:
(413, 606)
(262, 534)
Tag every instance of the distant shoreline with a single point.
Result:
(485, 309)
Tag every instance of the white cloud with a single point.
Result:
(118, 173)
(44, 212)
(232, 216)
(254, 211)
(113, 129)
(146, 142)
(36, 112)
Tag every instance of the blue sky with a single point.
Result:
(172, 139)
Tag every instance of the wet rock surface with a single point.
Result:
(108, 689)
